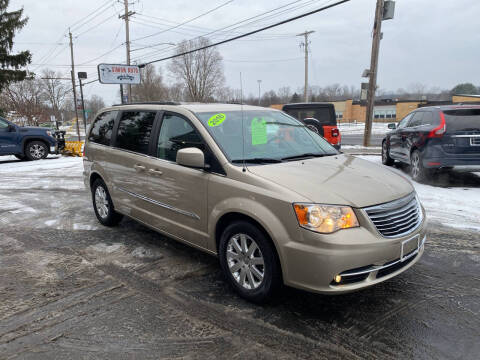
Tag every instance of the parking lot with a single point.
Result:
(70, 288)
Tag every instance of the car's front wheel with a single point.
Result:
(386, 159)
(36, 150)
(103, 205)
(249, 261)
(417, 170)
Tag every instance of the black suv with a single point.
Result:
(430, 138)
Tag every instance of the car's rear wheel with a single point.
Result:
(418, 172)
(386, 159)
(249, 261)
(103, 205)
(36, 150)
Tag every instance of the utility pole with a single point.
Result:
(259, 82)
(372, 84)
(73, 84)
(83, 105)
(305, 44)
(127, 41)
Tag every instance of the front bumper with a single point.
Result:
(360, 255)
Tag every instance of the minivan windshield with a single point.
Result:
(263, 136)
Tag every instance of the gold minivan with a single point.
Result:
(273, 200)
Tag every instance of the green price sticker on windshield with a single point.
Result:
(216, 119)
(259, 131)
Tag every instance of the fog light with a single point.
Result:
(337, 278)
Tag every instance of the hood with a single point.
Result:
(340, 180)
(35, 129)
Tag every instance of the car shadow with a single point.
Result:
(446, 177)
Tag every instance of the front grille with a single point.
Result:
(475, 141)
(396, 218)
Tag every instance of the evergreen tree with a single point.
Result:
(295, 98)
(10, 24)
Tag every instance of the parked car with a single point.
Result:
(318, 117)
(273, 200)
(26, 143)
(436, 137)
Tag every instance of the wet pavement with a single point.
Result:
(130, 293)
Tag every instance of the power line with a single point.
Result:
(97, 25)
(76, 27)
(286, 8)
(251, 32)
(186, 22)
(262, 61)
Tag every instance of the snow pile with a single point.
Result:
(359, 128)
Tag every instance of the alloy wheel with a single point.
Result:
(101, 202)
(415, 165)
(37, 151)
(245, 261)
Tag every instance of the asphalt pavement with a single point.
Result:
(357, 139)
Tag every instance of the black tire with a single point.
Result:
(272, 274)
(418, 172)
(36, 150)
(20, 157)
(105, 212)
(386, 159)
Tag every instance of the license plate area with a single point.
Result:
(408, 246)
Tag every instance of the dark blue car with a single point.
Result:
(436, 137)
(26, 143)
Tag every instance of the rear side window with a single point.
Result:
(176, 133)
(323, 114)
(134, 131)
(102, 128)
(466, 120)
(427, 118)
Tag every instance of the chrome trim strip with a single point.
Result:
(377, 268)
(465, 136)
(166, 206)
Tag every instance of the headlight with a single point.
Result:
(325, 218)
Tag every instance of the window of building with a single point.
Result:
(134, 131)
(339, 115)
(102, 128)
(176, 133)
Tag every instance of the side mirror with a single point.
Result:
(392, 126)
(191, 157)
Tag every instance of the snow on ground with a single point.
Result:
(456, 205)
(358, 128)
(51, 193)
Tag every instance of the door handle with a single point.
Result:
(139, 167)
(155, 172)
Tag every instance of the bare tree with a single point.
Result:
(55, 90)
(200, 71)
(27, 99)
(284, 94)
(95, 104)
(151, 87)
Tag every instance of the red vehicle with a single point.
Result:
(318, 117)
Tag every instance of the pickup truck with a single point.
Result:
(26, 143)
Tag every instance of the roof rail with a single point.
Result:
(150, 103)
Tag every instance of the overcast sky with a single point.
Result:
(433, 42)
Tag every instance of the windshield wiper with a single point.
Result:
(257, 161)
(303, 156)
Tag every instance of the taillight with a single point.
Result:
(440, 129)
(335, 132)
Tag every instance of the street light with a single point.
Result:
(259, 82)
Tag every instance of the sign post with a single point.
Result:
(83, 75)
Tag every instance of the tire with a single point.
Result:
(418, 172)
(103, 206)
(386, 159)
(36, 150)
(259, 273)
(314, 125)
(20, 157)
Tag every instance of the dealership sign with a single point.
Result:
(118, 74)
